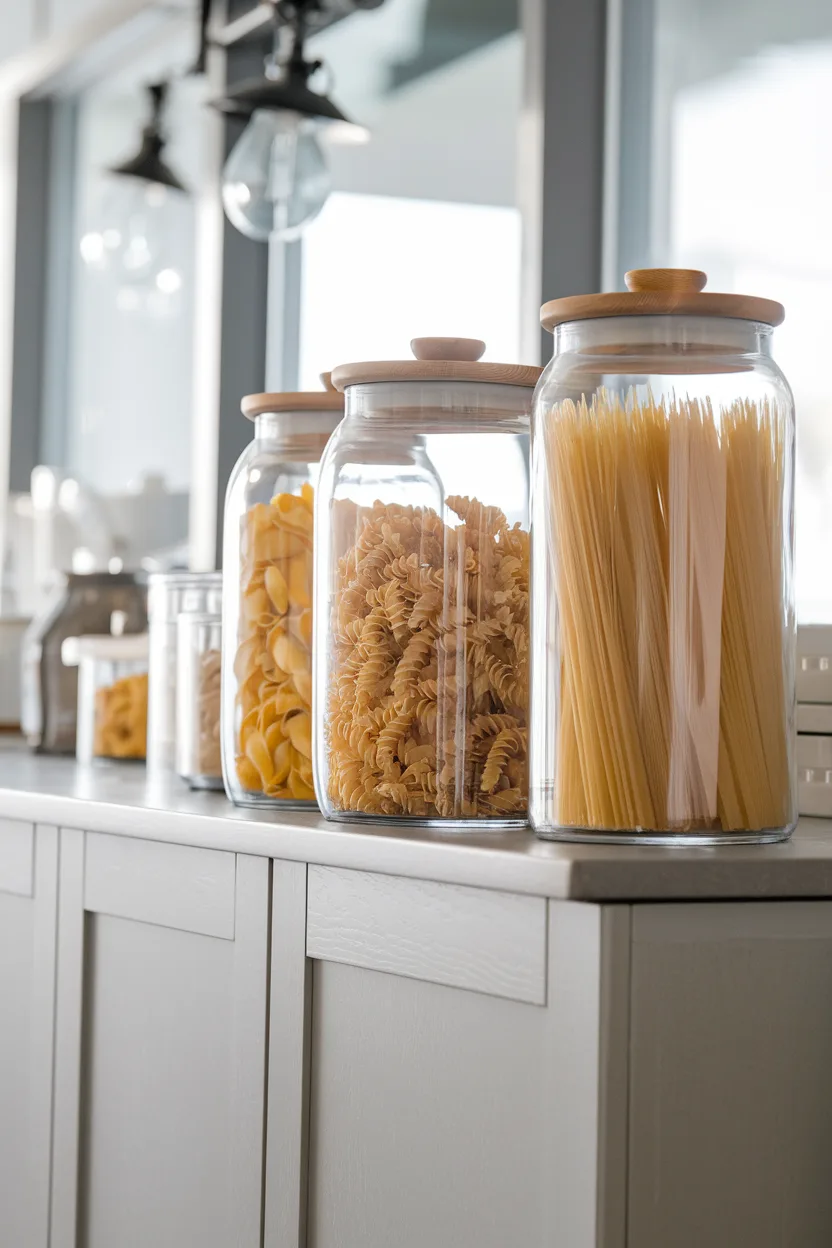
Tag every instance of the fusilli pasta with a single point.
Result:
(428, 690)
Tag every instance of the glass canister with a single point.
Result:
(663, 644)
(170, 594)
(112, 695)
(198, 667)
(267, 601)
(422, 592)
(84, 603)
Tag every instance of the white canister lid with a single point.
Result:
(131, 647)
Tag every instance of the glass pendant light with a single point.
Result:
(276, 180)
(131, 227)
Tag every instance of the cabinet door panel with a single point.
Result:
(426, 1115)
(731, 1078)
(28, 912)
(447, 1116)
(161, 1051)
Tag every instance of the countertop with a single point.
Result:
(118, 798)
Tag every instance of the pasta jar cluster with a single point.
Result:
(266, 699)
(421, 647)
(663, 656)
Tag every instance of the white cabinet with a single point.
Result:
(203, 1049)
(160, 1045)
(459, 1090)
(28, 884)
(731, 1075)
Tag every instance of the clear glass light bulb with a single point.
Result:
(275, 180)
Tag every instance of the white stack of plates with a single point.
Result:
(814, 719)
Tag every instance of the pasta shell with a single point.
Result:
(299, 582)
(299, 732)
(259, 755)
(303, 684)
(282, 763)
(290, 655)
(255, 604)
(247, 774)
(299, 788)
(277, 589)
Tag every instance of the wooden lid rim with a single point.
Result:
(661, 303)
(372, 372)
(252, 405)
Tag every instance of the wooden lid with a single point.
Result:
(438, 359)
(662, 292)
(328, 400)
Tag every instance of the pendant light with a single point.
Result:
(276, 180)
(149, 164)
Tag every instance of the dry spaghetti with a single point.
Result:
(667, 548)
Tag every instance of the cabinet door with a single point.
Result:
(28, 912)
(731, 1076)
(160, 1049)
(458, 1079)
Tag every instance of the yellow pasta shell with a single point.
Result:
(282, 762)
(247, 774)
(259, 755)
(277, 589)
(299, 581)
(290, 655)
(303, 684)
(299, 732)
(300, 790)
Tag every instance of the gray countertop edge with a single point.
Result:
(119, 800)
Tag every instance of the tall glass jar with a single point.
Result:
(267, 600)
(171, 594)
(422, 592)
(663, 603)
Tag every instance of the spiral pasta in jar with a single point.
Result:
(422, 592)
(267, 600)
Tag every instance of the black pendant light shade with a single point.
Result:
(149, 164)
(290, 94)
(284, 86)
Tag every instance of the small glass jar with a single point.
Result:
(112, 695)
(83, 603)
(169, 595)
(422, 592)
(267, 600)
(198, 691)
(663, 669)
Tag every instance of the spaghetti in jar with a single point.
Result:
(663, 602)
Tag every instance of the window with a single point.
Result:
(421, 235)
(739, 183)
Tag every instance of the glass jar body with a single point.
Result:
(112, 709)
(267, 612)
(169, 595)
(663, 599)
(422, 600)
(198, 663)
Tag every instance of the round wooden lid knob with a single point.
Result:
(326, 381)
(665, 281)
(467, 349)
